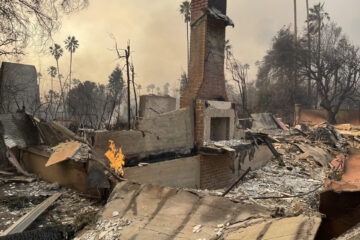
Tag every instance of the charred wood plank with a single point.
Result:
(235, 183)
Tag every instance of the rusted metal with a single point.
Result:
(70, 174)
(341, 202)
(350, 180)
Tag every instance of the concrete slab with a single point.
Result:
(165, 213)
(301, 227)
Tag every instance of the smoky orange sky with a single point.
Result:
(158, 36)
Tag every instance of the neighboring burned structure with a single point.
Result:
(19, 88)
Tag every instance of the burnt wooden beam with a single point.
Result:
(235, 183)
(25, 221)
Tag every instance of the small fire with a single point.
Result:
(116, 158)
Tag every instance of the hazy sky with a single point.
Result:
(158, 37)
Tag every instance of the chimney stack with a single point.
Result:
(207, 47)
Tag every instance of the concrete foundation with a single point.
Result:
(201, 171)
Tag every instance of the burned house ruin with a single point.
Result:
(197, 142)
(197, 172)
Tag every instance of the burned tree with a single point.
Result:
(115, 89)
(86, 102)
(336, 70)
(23, 20)
(125, 54)
(238, 73)
(183, 81)
(275, 83)
(132, 68)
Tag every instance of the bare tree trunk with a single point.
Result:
(319, 63)
(70, 71)
(127, 52)
(113, 107)
(295, 57)
(103, 113)
(62, 98)
(187, 45)
(309, 48)
(52, 90)
(133, 82)
(58, 72)
(331, 117)
(244, 96)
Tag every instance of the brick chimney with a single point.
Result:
(207, 46)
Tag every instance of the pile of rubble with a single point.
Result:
(288, 186)
(291, 185)
(109, 229)
(71, 209)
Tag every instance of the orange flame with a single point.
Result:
(116, 158)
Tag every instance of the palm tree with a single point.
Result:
(71, 44)
(185, 11)
(57, 51)
(150, 88)
(315, 19)
(316, 23)
(139, 87)
(52, 73)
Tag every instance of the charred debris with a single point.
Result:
(54, 182)
(195, 172)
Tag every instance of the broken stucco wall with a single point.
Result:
(153, 105)
(19, 88)
(169, 132)
(183, 172)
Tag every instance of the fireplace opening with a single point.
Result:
(219, 128)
